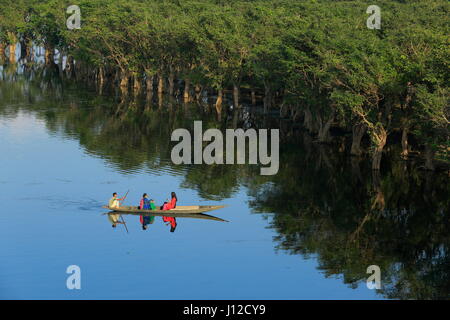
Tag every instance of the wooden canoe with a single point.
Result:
(178, 209)
(179, 212)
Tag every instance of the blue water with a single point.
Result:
(52, 190)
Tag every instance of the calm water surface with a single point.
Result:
(308, 233)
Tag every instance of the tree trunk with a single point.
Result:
(70, 67)
(77, 70)
(405, 151)
(171, 82)
(160, 100)
(284, 109)
(235, 95)
(267, 98)
(160, 83)
(149, 86)
(379, 137)
(219, 101)
(356, 169)
(358, 131)
(308, 122)
(187, 88)
(198, 92)
(378, 201)
(101, 79)
(2, 52)
(49, 54)
(12, 53)
(429, 156)
(324, 129)
(29, 51)
(136, 84)
(253, 97)
(60, 63)
(23, 49)
(296, 115)
(124, 81)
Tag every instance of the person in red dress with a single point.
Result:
(172, 204)
(172, 221)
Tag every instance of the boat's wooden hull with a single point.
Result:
(178, 209)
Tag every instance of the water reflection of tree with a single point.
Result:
(324, 203)
(350, 219)
(131, 136)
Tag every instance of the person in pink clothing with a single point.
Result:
(172, 221)
(172, 204)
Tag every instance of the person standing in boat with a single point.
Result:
(114, 202)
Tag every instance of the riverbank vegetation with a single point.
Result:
(313, 62)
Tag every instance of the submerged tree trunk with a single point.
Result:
(12, 47)
(2, 52)
(235, 95)
(358, 132)
(267, 97)
(30, 51)
(253, 94)
(124, 81)
(356, 169)
(24, 48)
(149, 86)
(101, 79)
(378, 201)
(49, 54)
(60, 63)
(198, 92)
(284, 109)
(187, 88)
(160, 100)
(70, 67)
(429, 156)
(324, 128)
(78, 70)
(379, 138)
(295, 114)
(160, 83)
(136, 84)
(308, 121)
(219, 101)
(405, 151)
(171, 80)
(12, 53)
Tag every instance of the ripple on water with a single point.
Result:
(55, 202)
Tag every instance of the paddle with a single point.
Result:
(123, 221)
(126, 195)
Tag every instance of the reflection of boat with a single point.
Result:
(179, 212)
